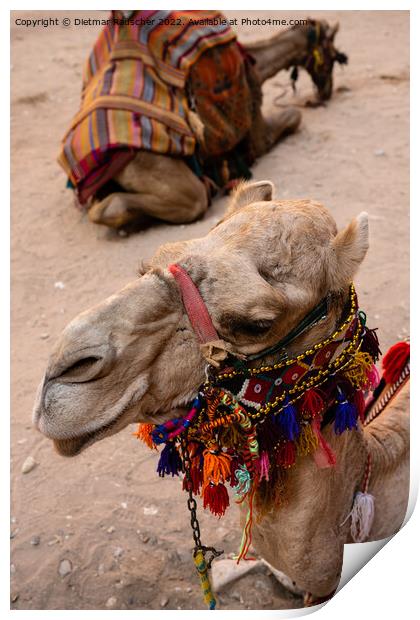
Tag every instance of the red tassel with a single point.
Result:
(196, 475)
(312, 404)
(216, 498)
(394, 361)
(323, 456)
(286, 454)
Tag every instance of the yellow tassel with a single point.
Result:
(307, 441)
(143, 433)
(357, 373)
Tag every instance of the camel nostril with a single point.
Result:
(82, 370)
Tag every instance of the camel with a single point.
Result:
(156, 185)
(135, 358)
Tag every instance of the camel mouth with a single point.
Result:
(75, 445)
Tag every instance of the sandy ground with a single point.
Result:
(124, 532)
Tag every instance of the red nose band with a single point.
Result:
(194, 306)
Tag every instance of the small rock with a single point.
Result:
(164, 601)
(144, 538)
(189, 589)
(35, 540)
(65, 568)
(28, 465)
(150, 511)
(60, 285)
(111, 602)
(14, 597)
(111, 529)
(101, 569)
(379, 153)
(124, 505)
(14, 533)
(12, 569)
(118, 552)
(22, 441)
(44, 336)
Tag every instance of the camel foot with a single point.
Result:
(114, 211)
(282, 125)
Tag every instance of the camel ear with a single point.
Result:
(246, 193)
(349, 248)
(333, 30)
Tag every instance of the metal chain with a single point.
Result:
(192, 507)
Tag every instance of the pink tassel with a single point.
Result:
(323, 456)
(263, 466)
(373, 377)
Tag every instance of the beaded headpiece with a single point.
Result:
(249, 424)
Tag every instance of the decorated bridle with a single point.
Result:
(249, 423)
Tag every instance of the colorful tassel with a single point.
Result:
(307, 441)
(243, 477)
(144, 434)
(312, 404)
(216, 465)
(323, 455)
(263, 467)
(345, 415)
(361, 515)
(196, 476)
(394, 361)
(216, 498)
(286, 454)
(373, 378)
(288, 422)
(357, 373)
(169, 461)
(370, 344)
(269, 433)
(359, 401)
(247, 531)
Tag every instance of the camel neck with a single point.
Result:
(279, 52)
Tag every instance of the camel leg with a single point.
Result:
(267, 132)
(157, 186)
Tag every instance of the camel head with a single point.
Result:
(135, 357)
(322, 56)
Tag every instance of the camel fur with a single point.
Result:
(135, 358)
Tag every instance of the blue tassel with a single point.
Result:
(288, 422)
(169, 461)
(345, 415)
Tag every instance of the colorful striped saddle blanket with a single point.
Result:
(136, 94)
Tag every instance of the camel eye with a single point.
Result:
(251, 328)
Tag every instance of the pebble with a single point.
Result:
(144, 538)
(22, 441)
(118, 552)
(111, 529)
(44, 336)
(150, 511)
(35, 540)
(14, 533)
(124, 505)
(28, 465)
(14, 597)
(65, 568)
(111, 602)
(164, 601)
(379, 153)
(12, 569)
(60, 285)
